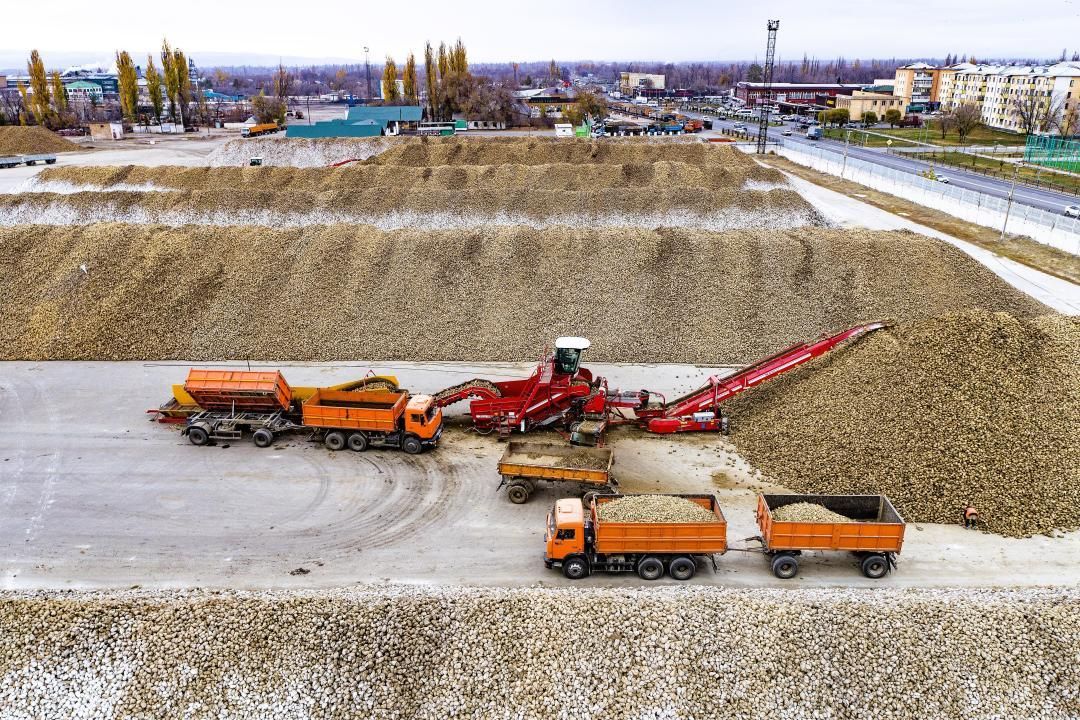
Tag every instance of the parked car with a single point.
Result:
(1072, 211)
(942, 179)
(786, 131)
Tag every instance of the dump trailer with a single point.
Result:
(577, 540)
(260, 129)
(524, 465)
(874, 535)
(358, 420)
(181, 405)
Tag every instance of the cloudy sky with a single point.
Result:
(629, 29)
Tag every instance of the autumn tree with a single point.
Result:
(268, 109)
(1036, 113)
(389, 82)
(183, 80)
(59, 95)
(39, 89)
(444, 61)
(153, 88)
(408, 77)
(587, 105)
(431, 79)
(459, 61)
(128, 82)
(893, 116)
(168, 67)
(966, 118)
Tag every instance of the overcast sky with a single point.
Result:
(492, 31)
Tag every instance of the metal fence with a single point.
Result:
(1053, 152)
(1050, 228)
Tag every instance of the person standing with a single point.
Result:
(971, 517)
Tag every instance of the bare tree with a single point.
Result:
(965, 118)
(1037, 112)
(1068, 121)
(283, 83)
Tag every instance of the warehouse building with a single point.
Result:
(363, 121)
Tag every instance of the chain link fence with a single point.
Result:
(1049, 228)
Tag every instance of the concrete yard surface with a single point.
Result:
(95, 495)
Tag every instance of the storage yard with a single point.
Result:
(689, 573)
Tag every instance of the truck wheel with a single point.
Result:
(575, 568)
(411, 444)
(682, 568)
(263, 438)
(334, 440)
(197, 435)
(358, 442)
(518, 494)
(875, 566)
(785, 567)
(651, 568)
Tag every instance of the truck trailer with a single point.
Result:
(579, 542)
(229, 403)
(524, 465)
(874, 534)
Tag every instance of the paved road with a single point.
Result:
(94, 495)
(1035, 197)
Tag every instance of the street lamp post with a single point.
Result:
(1008, 207)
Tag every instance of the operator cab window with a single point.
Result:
(565, 534)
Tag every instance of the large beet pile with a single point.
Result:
(122, 292)
(973, 407)
(33, 140)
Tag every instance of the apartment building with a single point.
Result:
(630, 82)
(997, 90)
(917, 84)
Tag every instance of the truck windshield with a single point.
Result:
(431, 411)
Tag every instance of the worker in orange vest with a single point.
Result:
(971, 516)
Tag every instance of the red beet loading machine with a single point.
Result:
(563, 395)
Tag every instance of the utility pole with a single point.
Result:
(1008, 208)
(766, 90)
(367, 68)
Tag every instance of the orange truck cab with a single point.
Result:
(580, 543)
(359, 420)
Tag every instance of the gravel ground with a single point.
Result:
(110, 292)
(15, 140)
(437, 652)
(975, 407)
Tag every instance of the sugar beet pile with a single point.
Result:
(975, 407)
(18, 140)
(121, 292)
(436, 185)
(687, 652)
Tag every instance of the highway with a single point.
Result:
(1048, 200)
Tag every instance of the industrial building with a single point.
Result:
(631, 83)
(362, 121)
(820, 94)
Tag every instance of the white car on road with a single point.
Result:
(942, 179)
(1072, 211)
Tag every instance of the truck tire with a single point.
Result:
(575, 568)
(785, 567)
(682, 568)
(263, 438)
(334, 440)
(875, 566)
(198, 435)
(651, 568)
(411, 444)
(518, 493)
(358, 442)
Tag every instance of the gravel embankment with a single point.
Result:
(437, 652)
(297, 152)
(973, 407)
(121, 292)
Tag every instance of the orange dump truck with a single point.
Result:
(260, 129)
(581, 543)
(225, 404)
(874, 533)
(523, 465)
(391, 419)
